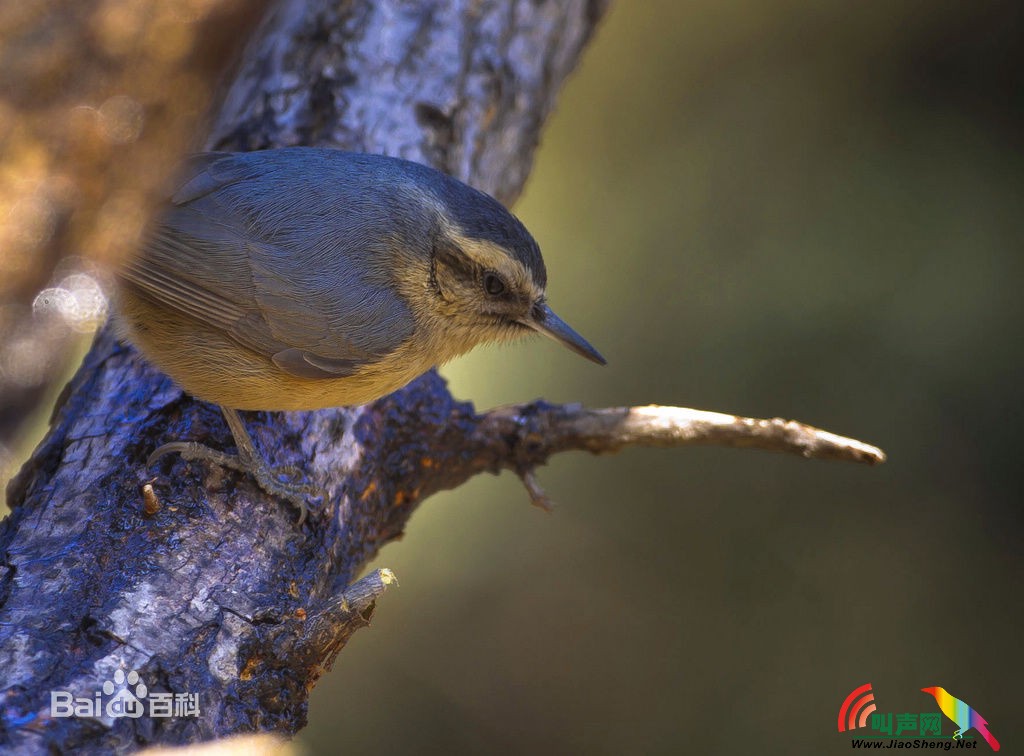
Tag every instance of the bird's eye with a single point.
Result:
(493, 284)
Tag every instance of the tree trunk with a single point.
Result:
(203, 584)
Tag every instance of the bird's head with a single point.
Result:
(931, 691)
(486, 275)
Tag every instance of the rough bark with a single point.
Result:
(202, 584)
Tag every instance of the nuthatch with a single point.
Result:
(300, 278)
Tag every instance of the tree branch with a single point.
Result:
(522, 437)
(558, 428)
(541, 430)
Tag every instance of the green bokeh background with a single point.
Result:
(801, 209)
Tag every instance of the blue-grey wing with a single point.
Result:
(307, 301)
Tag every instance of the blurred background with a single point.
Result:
(808, 209)
(805, 209)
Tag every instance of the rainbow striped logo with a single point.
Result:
(912, 729)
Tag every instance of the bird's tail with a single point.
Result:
(989, 737)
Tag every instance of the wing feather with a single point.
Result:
(221, 255)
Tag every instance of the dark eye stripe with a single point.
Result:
(452, 257)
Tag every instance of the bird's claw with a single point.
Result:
(265, 476)
(292, 493)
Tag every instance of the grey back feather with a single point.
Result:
(286, 251)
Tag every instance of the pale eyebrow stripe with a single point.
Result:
(489, 255)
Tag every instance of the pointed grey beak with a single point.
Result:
(544, 321)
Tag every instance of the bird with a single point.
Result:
(964, 716)
(302, 278)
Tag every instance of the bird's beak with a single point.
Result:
(544, 321)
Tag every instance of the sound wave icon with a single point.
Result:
(856, 708)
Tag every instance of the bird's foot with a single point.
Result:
(958, 734)
(267, 477)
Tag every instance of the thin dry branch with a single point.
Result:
(523, 436)
(602, 431)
